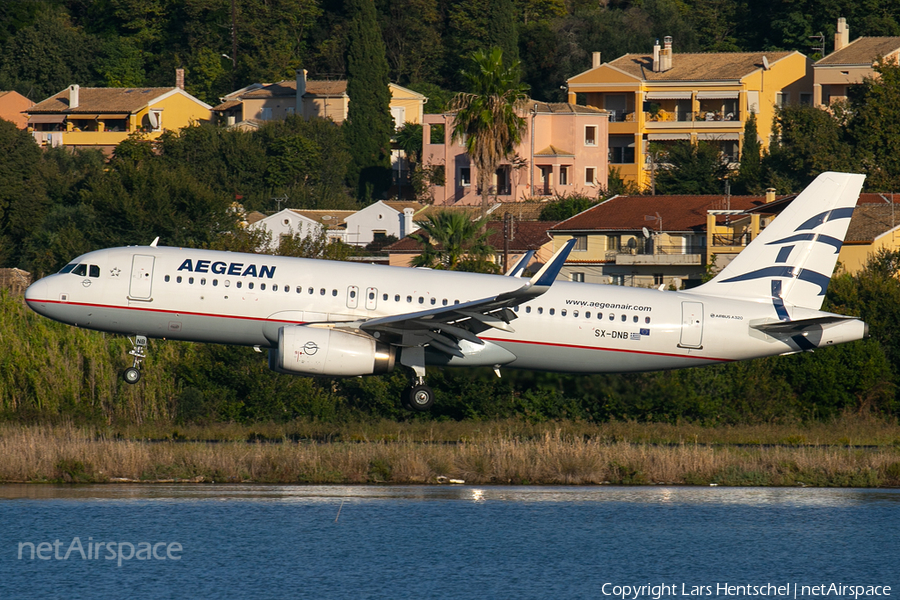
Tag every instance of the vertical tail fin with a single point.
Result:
(792, 260)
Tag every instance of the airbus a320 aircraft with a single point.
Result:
(325, 318)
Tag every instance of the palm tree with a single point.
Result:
(452, 241)
(487, 117)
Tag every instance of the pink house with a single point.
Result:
(564, 151)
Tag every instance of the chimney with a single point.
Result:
(179, 78)
(73, 96)
(301, 90)
(656, 68)
(770, 195)
(842, 37)
(595, 60)
(407, 222)
(665, 57)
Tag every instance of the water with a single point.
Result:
(445, 542)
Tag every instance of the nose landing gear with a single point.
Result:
(132, 374)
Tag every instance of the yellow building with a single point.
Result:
(849, 64)
(658, 99)
(874, 227)
(103, 117)
(327, 99)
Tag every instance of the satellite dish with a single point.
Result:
(765, 63)
(153, 119)
(646, 232)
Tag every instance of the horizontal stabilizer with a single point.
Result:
(779, 328)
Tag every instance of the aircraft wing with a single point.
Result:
(799, 326)
(442, 327)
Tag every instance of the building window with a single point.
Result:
(580, 243)
(614, 242)
(579, 277)
(621, 149)
(436, 134)
(265, 114)
(658, 279)
(590, 177)
(806, 99)
(564, 176)
(617, 280)
(465, 176)
(590, 135)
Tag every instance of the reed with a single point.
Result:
(75, 454)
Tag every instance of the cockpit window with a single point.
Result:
(68, 268)
(95, 271)
(80, 270)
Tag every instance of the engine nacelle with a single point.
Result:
(318, 351)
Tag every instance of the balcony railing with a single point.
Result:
(665, 116)
(731, 239)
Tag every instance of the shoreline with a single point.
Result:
(553, 455)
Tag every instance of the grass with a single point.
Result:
(497, 452)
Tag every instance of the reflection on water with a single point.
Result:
(257, 541)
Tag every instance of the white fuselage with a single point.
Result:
(233, 298)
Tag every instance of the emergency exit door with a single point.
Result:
(691, 324)
(141, 277)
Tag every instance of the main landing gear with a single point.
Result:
(132, 374)
(418, 397)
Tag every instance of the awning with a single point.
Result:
(46, 119)
(655, 137)
(668, 96)
(718, 136)
(724, 95)
(119, 116)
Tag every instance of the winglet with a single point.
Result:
(547, 275)
(519, 267)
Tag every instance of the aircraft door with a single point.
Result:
(371, 298)
(141, 277)
(352, 296)
(691, 325)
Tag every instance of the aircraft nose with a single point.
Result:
(35, 293)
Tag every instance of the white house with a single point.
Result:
(305, 222)
(380, 220)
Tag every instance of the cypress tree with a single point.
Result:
(750, 173)
(501, 29)
(369, 125)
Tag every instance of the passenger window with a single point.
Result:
(287, 289)
(552, 311)
(384, 297)
(178, 279)
(587, 315)
(215, 282)
(274, 287)
(322, 292)
(203, 281)
(311, 290)
(445, 303)
(262, 286)
(433, 301)
(352, 294)
(528, 309)
(299, 290)
(456, 302)
(409, 298)
(421, 300)
(191, 281)
(635, 318)
(624, 318)
(599, 315)
(227, 283)
(612, 317)
(239, 284)
(167, 278)
(647, 320)
(574, 313)
(80, 270)
(371, 295)
(540, 310)
(334, 292)
(95, 271)
(250, 286)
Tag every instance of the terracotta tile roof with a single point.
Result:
(712, 66)
(102, 100)
(254, 216)
(862, 51)
(400, 205)
(871, 220)
(679, 213)
(331, 219)
(523, 211)
(563, 107)
(288, 88)
(227, 105)
(552, 150)
(530, 235)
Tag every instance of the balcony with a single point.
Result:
(644, 253)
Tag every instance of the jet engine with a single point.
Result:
(304, 350)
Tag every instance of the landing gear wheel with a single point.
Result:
(421, 398)
(131, 375)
